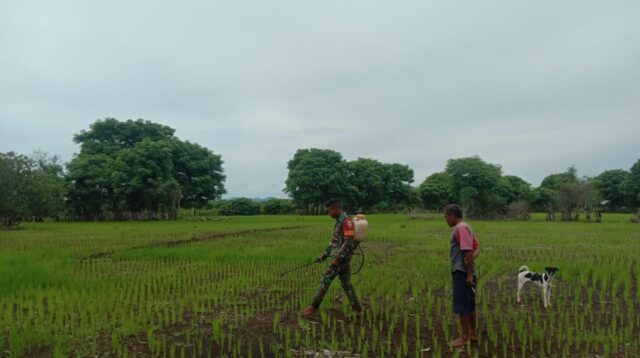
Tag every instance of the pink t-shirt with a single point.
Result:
(465, 237)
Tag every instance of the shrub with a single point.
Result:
(518, 210)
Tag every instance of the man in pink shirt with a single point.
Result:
(464, 247)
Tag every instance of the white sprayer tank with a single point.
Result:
(361, 226)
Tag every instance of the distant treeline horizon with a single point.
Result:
(139, 170)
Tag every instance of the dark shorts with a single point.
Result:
(464, 299)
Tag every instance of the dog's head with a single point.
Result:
(551, 270)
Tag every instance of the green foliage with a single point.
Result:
(515, 189)
(436, 191)
(198, 172)
(611, 185)
(414, 201)
(543, 199)
(382, 207)
(571, 198)
(555, 181)
(142, 176)
(31, 188)
(138, 169)
(566, 193)
(369, 185)
(632, 186)
(518, 210)
(109, 136)
(398, 185)
(368, 176)
(316, 175)
(546, 198)
(237, 206)
(274, 206)
(13, 193)
(224, 296)
(475, 185)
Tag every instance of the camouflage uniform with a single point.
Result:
(340, 249)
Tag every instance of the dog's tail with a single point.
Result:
(523, 268)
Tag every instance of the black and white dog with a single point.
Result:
(541, 280)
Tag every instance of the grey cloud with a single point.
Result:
(532, 86)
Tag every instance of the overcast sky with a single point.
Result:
(534, 86)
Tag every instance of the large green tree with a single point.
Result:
(397, 180)
(109, 136)
(369, 177)
(611, 185)
(475, 185)
(632, 186)
(30, 188)
(557, 180)
(316, 175)
(48, 187)
(436, 191)
(140, 169)
(574, 197)
(14, 174)
(514, 189)
(143, 177)
(199, 173)
(91, 193)
(545, 198)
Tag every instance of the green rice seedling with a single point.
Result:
(234, 280)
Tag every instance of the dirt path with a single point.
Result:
(193, 239)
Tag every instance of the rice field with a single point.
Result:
(214, 289)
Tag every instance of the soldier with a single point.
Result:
(340, 250)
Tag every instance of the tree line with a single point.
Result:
(480, 187)
(244, 206)
(137, 170)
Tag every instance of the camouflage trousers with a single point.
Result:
(344, 273)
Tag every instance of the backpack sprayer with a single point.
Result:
(361, 225)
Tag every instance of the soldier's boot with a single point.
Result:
(309, 311)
